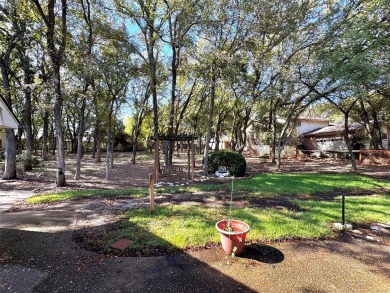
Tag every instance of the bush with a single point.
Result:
(234, 162)
(22, 158)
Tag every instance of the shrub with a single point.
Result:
(22, 158)
(234, 162)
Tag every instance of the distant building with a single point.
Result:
(331, 137)
(317, 134)
(7, 120)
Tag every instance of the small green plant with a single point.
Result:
(27, 163)
(233, 161)
(228, 227)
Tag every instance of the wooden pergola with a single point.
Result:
(176, 138)
(190, 160)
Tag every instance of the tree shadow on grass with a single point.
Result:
(57, 264)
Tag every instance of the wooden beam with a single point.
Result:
(192, 159)
(189, 160)
(156, 160)
(151, 192)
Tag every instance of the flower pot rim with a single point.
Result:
(245, 228)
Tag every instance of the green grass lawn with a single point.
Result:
(134, 192)
(180, 227)
(270, 185)
(308, 215)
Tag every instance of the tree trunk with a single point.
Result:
(248, 112)
(10, 155)
(153, 84)
(52, 140)
(60, 143)
(45, 135)
(108, 146)
(283, 135)
(98, 158)
(210, 120)
(348, 142)
(94, 146)
(112, 147)
(376, 128)
(108, 153)
(19, 142)
(280, 148)
(55, 49)
(273, 143)
(134, 151)
(218, 130)
(27, 114)
(80, 149)
(109, 138)
(10, 149)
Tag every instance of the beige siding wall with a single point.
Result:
(2, 139)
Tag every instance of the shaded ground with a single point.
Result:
(125, 174)
(43, 247)
(37, 254)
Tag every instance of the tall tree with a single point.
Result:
(27, 88)
(141, 109)
(115, 69)
(222, 37)
(55, 49)
(182, 16)
(146, 16)
(88, 82)
(10, 32)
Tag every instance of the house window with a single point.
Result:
(384, 135)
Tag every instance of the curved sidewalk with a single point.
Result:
(10, 197)
(37, 254)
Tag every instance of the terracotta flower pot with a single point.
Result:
(233, 238)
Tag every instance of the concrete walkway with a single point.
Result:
(10, 197)
(37, 254)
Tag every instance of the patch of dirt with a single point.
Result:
(371, 232)
(125, 174)
(95, 240)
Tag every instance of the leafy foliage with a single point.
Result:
(235, 162)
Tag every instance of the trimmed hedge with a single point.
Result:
(235, 162)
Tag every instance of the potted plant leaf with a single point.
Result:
(232, 232)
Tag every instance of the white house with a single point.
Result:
(7, 120)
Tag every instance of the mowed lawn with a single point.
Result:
(315, 201)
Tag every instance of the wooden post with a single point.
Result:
(151, 193)
(189, 159)
(343, 210)
(156, 159)
(193, 159)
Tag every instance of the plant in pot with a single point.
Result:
(232, 232)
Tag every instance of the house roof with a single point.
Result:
(313, 118)
(7, 118)
(332, 130)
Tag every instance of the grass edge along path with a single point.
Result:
(174, 228)
(267, 184)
